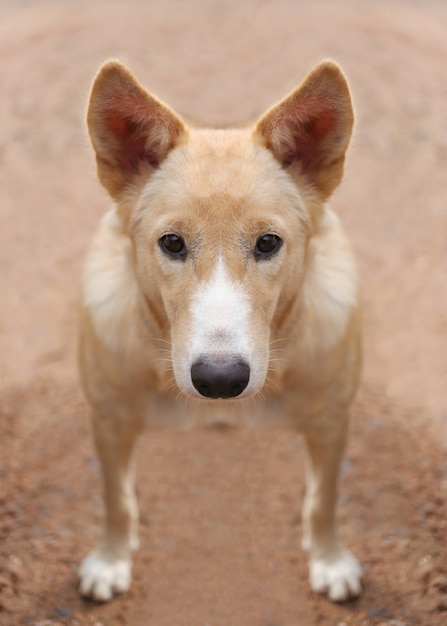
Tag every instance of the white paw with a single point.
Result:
(340, 576)
(102, 577)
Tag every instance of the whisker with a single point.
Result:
(272, 385)
(168, 385)
(159, 339)
(283, 339)
(281, 360)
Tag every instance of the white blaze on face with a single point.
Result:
(220, 315)
(223, 333)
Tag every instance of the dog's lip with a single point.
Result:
(192, 393)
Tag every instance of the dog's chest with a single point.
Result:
(284, 410)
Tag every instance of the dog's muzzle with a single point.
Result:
(220, 377)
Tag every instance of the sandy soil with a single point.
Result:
(220, 508)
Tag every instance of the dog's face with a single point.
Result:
(220, 237)
(220, 220)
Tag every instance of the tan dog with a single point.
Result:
(221, 250)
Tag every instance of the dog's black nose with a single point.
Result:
(220, 378)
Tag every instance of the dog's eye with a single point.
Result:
(267, 245)
(173, 245)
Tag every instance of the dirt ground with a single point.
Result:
(220, 507)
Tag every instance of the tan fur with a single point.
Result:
(220, 191)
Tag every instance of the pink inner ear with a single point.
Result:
(117, 125)
(312, 127)
(127, 140)
(321, 126)
(306, 130)
(126, 132)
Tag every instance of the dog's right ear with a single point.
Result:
(308, 132)
(131, 131)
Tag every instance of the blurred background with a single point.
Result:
(221, 63)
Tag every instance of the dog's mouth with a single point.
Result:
(220, 378)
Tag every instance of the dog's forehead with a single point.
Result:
(223, 162)
(221, 180)
(227, 164)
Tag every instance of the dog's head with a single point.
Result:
(220, 220)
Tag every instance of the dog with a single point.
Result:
(220, 248)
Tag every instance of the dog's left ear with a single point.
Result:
(308, 132)
(131, 131)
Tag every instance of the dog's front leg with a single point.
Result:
(107, 569)
(333, 570)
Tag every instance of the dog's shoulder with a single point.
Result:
(330, 290)
(109, 286)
